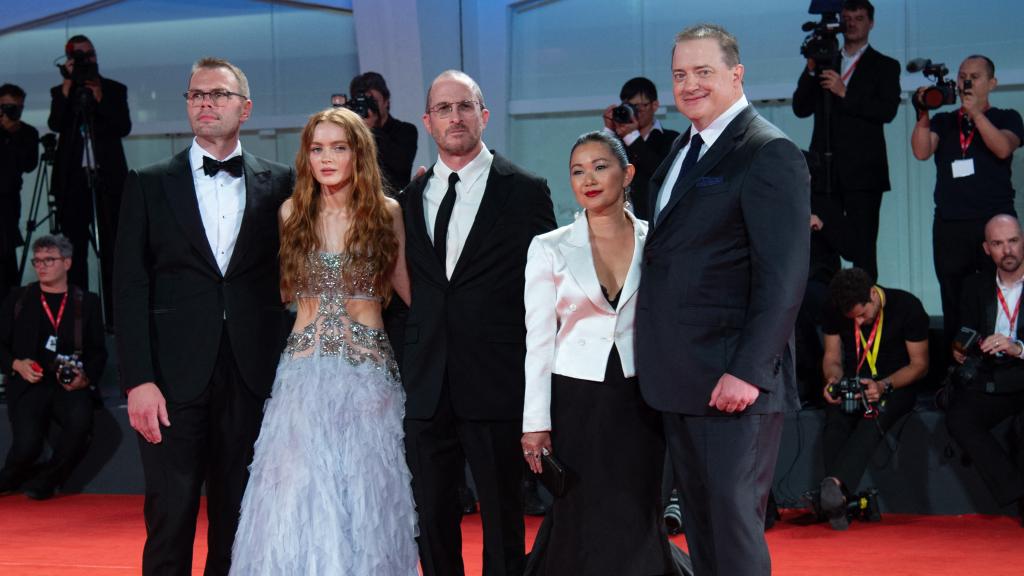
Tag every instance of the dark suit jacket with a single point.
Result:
(858, 138)
(978, 309)
(725, 268)
(646, 156)
(170, 298)
(19, 337)
(111, 122)
(472, 328)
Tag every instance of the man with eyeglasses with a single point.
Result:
(52, 350)
(469, 222)
(19, 143)
(86, 103)
(199, 319)
(647, 142)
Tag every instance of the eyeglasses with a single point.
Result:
(217, 97)
(444, 109)
(45, 262)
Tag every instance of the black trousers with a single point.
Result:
(436, 449)
(30, 414)
(850, 440)
(860, 226)
(958, 254)
(75, 213)
(971, 416)
(726, 465)
(210, 440)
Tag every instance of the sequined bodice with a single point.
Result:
(333, 279)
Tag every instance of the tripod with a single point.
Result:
(41, 187)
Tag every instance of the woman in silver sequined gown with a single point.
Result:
(329, 491)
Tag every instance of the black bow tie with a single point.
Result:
(232, 166)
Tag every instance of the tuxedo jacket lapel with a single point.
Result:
(496, 194)
(257, 188)
(180, 189)
(419, 238)
(723, 145)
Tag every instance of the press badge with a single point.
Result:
(963, 167)
(51, 343)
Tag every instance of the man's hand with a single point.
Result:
(147, 410)
(732, 394)
(28, 369)
(96, 88)
(831, 81)
(816, 223)
(959, 356)
(873, 390)
(79, 382)
(621, 130)
(535, 443)
(824, 392)
(997, 343)
(372, 119)
(972, 107)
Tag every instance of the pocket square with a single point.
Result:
(705, 181)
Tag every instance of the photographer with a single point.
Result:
(396, 140)
(52, 348)
(87, 103)
(990, 307)
(861, 93)
(647, 143)
(973, 148)
(19, 143)
(876, 340)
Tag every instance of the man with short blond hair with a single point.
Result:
(199, 319)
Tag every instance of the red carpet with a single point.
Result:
(98, 535)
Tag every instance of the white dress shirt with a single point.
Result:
(221, 204)
(469, 192)
(709, 135)
(848, 61)
(1011, 295)
(570, 326)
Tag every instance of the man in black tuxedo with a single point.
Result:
(199, 319)
(646, 141)
(862, 92)
(724, 271)
(469, 222)
(86, 98)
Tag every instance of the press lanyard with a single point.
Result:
(1006, 309)
(60, 313)
(871, 344)
(965, 141)
(849, 72)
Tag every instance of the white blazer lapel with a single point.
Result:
(632, 282)
(579, 260)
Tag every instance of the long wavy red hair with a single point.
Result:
(370, 237)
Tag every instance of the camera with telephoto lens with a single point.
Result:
(943, 92)
(362, 104)
(822, 44)
(12, 111)
(623, 113)
(67, 367)
(84, 69)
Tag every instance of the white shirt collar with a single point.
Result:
(856, 54)
(196, 153)
(470, 172)
(1016, 285)
(711, 133)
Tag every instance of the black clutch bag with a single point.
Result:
(553, 475)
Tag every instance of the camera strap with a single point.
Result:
(1006, 309)
(849, 71)
(965, 141)
(870, 345)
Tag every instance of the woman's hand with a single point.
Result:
(535, 444)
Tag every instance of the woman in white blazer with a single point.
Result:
(582, 400)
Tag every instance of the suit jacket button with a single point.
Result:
(572, 307)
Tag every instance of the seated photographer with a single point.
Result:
(647, 143)
(19, 144)
(994, 390)
(52, 348)
(396, 140)
(876, 349)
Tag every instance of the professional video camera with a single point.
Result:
(943, 92)
(822, 44)
(84, 69)
(850, 392)
(67, 367)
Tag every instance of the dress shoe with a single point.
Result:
(833, 503)
(39, 490)
(771, 511)
(467, 500)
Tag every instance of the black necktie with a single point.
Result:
(444, 216)
(232, 166)
(696, 142)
